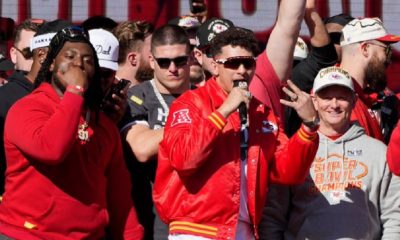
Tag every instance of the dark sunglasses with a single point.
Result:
(335, 37)
(178, 61)
(70, 33)
(26, 52)
(235, 62)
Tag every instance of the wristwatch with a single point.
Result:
(313, 124)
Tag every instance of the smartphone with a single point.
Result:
(116, 89)
(199, 7)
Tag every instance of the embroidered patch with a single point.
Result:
(268, 127)
(180, 117)
(354, 152)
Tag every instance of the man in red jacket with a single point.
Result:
(65, 176)
(214, 164)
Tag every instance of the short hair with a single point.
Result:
(27, 25)
(236, 37)
(169, 35)
(99, 22)
(129, 35)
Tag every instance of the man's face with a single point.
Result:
(205, 60)
(74, 59)
(171, 76)
(22, 63)
(145, 72)
(375, 72)
(334, 105)
(239, 65)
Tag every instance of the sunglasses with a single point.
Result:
(70, 33)
(178, 61)
(335, 37)
(25, 52)
(235, 62)
(388, 49)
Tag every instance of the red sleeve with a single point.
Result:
(189, 137)
(124, 223)
(265, 85)
(294, 157)
(393, 152)
(41, 133)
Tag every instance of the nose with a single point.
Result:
(172, 67)
(241, 69)
(334, 103)
(78, 62)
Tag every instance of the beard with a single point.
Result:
(375, 75)
(144, 72)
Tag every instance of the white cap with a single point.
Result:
(106, 46)
(300, 50)
(359, 30)
(41, 40)
(332, 76)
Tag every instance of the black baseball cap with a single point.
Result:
(209, 29)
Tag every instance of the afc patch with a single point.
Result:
(181, 117)
(354, 152)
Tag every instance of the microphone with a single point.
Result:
(242, 106)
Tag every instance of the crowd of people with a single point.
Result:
(190, 131)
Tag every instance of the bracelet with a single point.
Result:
(75, 89)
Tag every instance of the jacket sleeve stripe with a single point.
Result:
(305, 136)
(218, 120)
(190, 228)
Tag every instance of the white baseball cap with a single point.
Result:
(106, 46)
(300, 50)
(331, 76)
(359, 30)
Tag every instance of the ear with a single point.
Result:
(198, 55)
(13, 55)
(215, 68)
(314, 101)
(52, 66)
(41, 55)
(132, 58)
(151, 61)
(364, 49)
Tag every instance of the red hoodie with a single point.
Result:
(56, 186)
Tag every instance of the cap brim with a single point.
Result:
(333, 84)
(390, 38)
(6, 65)
(108, 64)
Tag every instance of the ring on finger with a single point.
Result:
(248, 94)
(294, 99)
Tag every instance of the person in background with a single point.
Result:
(205, 33)
(300, 51)
(191, 24)
(133, 61)
(143, 125)
(366, 53)
(22, 84)
(65, 153)
(20, 53)
(350, 192)
(107, 48)
(324, 52)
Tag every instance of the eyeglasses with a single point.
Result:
(235, 62)
(388, 49)
(25, 52)
(178, 61)
(335, 37)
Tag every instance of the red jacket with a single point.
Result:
(57, 187)
(393, 151)
(198, 176)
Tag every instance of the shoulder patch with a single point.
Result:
(136, 100)
(181, 117)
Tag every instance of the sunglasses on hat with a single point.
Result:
(178, 61)
(70, 33)
(235, 62)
